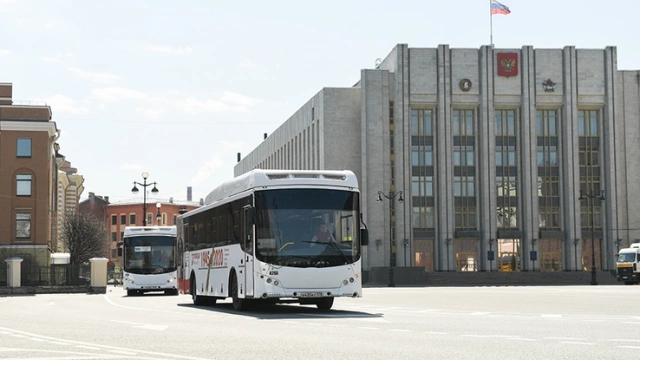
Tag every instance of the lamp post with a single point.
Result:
(158, 216)
(391, 239)
(135, 190)
(590, 211)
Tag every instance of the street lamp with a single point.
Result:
(135, 190)
(158, 216)
(393, 247)
(590, 210)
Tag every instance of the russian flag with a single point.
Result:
(498, 8)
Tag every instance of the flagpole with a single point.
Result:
(491, 44)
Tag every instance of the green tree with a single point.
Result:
(85, 236)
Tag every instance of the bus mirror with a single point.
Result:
(364, 237)
(119, 251)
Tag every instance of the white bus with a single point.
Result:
(256, 240)
(149, 259)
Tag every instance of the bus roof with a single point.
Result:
(272, 177)
(149, 230)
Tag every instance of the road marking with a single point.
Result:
(551, 315)
(441, 333)
(143, 325)
(480, 313)
(564, 338)
(583, 343)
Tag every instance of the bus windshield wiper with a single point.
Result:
(333, 245)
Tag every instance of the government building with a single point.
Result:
(485, 160)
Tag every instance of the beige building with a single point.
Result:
(28, 170)
(69, 189)
(506, 159)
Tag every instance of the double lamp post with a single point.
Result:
(590, 197)
(135, 190)
(393, 248)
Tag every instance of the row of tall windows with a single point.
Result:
(23, 189)
(548, 157)
(464, 144)
(506, 168)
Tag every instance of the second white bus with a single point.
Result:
(255, 240)
(149, 259)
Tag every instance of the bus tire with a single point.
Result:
(237, 303)
(199, 300)
(325, 304)
(130, 293)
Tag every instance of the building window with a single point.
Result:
(506, 217)
(546, 123)
(464, 155)
(587, 123)
(505, 155)
(23, 225)
(506, 186)
(23, 184)
(122, 219)
(113, 219)
(465, 217)
(463, 122)
(113, 236)
(149, 219)
(132, 219)
(505, 122)
(122, 235)
(464, 186)
(24, 148)
(421, 122)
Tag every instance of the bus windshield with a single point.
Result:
(149, 254)
(307, 227)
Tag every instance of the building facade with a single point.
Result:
(157, 212)
(505, 159)
(28, 170)
(69, 189)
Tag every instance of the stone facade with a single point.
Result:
(594, 146)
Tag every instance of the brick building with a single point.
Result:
(28, 171)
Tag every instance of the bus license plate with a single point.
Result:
(311, 294)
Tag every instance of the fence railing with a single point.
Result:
(53, 275)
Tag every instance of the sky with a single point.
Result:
(178, 88)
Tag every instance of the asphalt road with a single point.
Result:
(424, 323)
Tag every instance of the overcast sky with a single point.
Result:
(178, 88)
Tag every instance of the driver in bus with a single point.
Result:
(323, 235)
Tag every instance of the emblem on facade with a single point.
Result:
(465, 84)
(507, 64)
(548, 85)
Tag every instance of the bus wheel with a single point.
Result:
(130, 292)
(237, 303)
(325, 304)
(171, 292)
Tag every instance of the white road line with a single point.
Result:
(583, 343)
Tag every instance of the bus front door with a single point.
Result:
(249, 264)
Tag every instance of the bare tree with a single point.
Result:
(85, 237)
